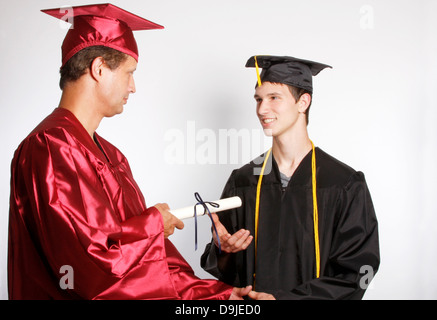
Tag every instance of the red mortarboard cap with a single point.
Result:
(100, 25)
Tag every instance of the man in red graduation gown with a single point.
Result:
(79, 226)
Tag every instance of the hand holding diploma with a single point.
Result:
(170, 221)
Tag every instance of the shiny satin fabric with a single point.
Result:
(100, 24)
(75, 205)
(95, 31)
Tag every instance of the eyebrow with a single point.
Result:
(269, 94)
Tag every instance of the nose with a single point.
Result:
(132, 88)
(262, 108)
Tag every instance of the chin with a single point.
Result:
(110, 115)
(268, 132)
(120, 109)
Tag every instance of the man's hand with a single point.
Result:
(260, 296)
(170, 221)
(239, 241)
(239, 293)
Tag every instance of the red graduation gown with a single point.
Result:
(72, 205)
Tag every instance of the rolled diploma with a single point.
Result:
(224, 204)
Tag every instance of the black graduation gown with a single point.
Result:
(286, 266)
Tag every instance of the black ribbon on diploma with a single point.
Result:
(206, 211)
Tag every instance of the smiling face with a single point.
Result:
(277, 109)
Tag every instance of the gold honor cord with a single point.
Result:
(258, 193)
(315, 211)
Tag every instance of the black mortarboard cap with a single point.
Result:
(287, 70)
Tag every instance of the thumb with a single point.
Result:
(254, 295)
(245, 291)
(215, 217)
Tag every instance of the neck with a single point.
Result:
(289, 149)
(76, 99)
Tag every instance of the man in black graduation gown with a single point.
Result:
(307, 227)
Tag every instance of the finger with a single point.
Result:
(224, 237)
(235, 237)
(179, 224)
(215, 217)
(242, 291)
(247, 243)
(245, 291)
(241, 234)
(242, 239)
(235, 249)
(221, 229)
(253, 295)
(260, 296)
(238, 242)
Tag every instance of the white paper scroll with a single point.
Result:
(224, 204)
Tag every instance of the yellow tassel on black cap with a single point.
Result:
(257, 73)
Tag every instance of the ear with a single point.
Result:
(97, 68)
(304, 102)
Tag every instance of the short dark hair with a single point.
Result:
(81, 61)
(299, 92)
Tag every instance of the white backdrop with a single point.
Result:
(375, 110)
